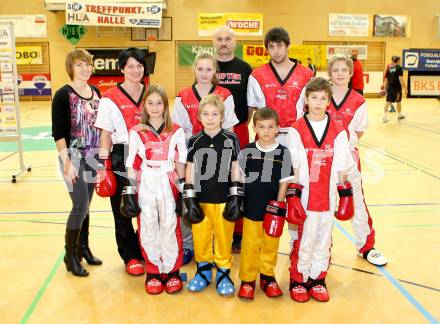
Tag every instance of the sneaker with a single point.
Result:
(384, 119)
(401, 117)
(318, 291)
(270, 286)
(153, 284)
(298, 292)
(187, 256)
(392, 109)
(134, 267)
(374, 257)
(247, 290)
(236, 243)
(173, 282)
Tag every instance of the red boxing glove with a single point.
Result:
(346, 204)
(295, 211)
(106, 180)
(274, 218)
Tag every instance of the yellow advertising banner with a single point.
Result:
(243, 24)
(256, 55)
(318, 54)
(29, 55)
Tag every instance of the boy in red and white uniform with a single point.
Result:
(161, 146)
(321, 160)
(279, 84)
(350, 108)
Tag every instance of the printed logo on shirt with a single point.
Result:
(348, 111)
(318, 160)
(229, 78)
(281, 94)
(124, 106)
(295, 85)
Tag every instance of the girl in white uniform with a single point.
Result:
(162, 148)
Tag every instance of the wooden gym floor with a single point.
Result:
(402, 183)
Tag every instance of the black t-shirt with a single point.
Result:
(234, 76)
(393, 73)
(264, 170)
(212, 158)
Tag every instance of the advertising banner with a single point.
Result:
(256, 55)
(243, 24)
(114, 13)
(424, 85)
(34, 85)
(187, 52)
(421, 60)
(27, 25)
(105, 61)
(26, 55)
(346, 49)
(390, 26)
(105, 82)
(348, 25)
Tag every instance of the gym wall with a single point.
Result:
(306, 21)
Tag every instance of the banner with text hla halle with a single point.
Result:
(122, 14)
(243, 24)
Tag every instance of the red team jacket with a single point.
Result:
(191, 100)
(282, 95)
(131, 113)
(320, 159)
(346, 109)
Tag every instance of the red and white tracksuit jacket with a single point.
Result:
(186, 106)
(159, 228)
(317, 163)
(352, 112)
(286, 97)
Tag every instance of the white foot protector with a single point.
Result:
(374, 257)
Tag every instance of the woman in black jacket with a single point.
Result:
(74, 109)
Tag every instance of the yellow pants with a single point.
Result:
(213, 228)
(259, 251)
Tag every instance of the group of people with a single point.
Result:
(196, 182)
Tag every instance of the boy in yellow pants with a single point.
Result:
(267, 167)
(212, 196)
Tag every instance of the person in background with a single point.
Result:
(393, 85)
(311, 66)
(357, 79)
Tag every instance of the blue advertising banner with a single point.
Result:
(421, 59)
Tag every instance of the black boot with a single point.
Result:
(71, 258)
(83, 246)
